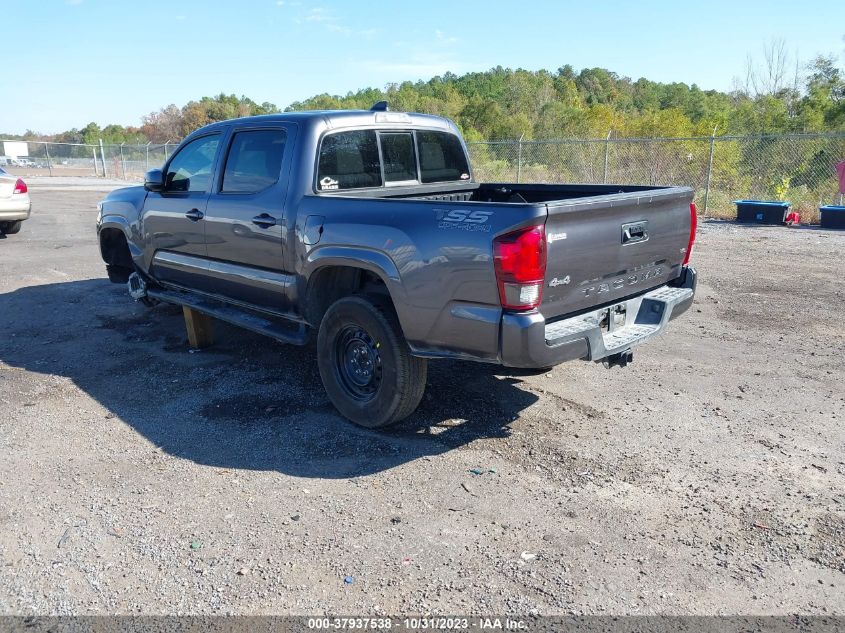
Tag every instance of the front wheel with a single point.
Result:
(367, 369)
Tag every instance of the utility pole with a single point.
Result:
(49, 162)
(709, 169)
(103, 157)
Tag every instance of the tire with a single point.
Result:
(367, 368)
(11, 228)
(118, 274)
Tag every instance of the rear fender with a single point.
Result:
(373, 261)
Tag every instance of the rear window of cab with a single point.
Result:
(359, 159)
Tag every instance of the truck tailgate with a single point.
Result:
(605, 248)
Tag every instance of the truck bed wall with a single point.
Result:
(504, 192)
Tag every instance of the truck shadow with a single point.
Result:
(247, 402)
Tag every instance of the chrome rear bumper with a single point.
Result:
(528, 341)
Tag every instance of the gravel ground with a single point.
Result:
(137, 477)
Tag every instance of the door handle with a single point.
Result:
(265, 220)
(194, 214)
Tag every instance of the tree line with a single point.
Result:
(503, 103)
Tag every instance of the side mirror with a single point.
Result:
(154, 180)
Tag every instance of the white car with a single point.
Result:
(14, 203)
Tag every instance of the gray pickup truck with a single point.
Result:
(368, 228)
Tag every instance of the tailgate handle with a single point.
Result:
(635, 232)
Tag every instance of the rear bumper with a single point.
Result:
(528, 341)
(13, 208)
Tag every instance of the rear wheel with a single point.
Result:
(367, 369)
(10, 228)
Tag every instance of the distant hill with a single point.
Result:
(508, 104)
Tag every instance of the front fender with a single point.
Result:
(121, 224)
(121, 210)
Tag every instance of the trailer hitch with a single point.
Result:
(619, 360)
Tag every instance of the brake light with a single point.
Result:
(520, 262)
(693, 225)
(20, 186)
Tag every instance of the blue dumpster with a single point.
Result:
(833, 216)
(761, 211)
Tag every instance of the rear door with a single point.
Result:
(605, 248)
(246, 224)
(173, 220)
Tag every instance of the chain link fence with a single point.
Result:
(721, 169)
(122, 162)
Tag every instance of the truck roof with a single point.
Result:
(329, 119)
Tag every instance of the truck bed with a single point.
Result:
(592, 257)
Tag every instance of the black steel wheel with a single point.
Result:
(366, 366)
(358, 363)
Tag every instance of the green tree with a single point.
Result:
(504, 103)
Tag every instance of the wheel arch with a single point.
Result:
(108, 228)
(114, 247)
(340, 272)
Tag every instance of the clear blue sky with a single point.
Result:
(68, 62)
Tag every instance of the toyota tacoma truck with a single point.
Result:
(368, 229)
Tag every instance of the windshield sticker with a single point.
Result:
(464, 176)
(328, 183)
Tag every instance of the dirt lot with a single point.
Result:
(709, 477)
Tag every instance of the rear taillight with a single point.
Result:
(20, 186)
(693, 225)
(520, 262)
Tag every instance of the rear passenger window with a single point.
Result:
(254, 161)
(349, 160)
(397, 152)
(442, 157)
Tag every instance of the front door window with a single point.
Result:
(191, 168)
